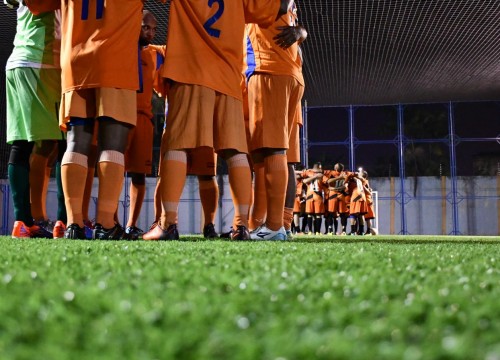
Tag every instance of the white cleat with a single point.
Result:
(264, 233)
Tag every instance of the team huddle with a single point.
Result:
(231, 74)
(333, 194)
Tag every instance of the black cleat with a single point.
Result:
(241, 233)
(132, 233)
(115, 233)
(209, 231)
(158, 233)
(227, 235)
(73, 231)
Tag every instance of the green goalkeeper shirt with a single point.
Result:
(37, 43)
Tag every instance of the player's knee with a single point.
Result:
(137, 178)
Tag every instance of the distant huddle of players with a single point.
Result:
(333, 194)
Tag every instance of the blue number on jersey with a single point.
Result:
(208, 24)
(98, 11)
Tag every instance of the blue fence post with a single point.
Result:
(453, 168)
(305, 137)
(402, 173)
(352, 158)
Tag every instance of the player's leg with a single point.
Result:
(112, 140)
(18, 173)
(202, 162)
(61, 217)
(74, 166)
(259, 206)
(289, 201)
(138, 163)
(89, 182)
(209, 197)
(137, 192)
(39, 180)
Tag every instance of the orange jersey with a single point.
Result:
(204, 41)
(316, 186)
(152, 58)
(99, 47)
(263, 55)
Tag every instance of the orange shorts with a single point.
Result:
(370, 212)
(199, 116)
(272, 101)
(315, 204)
(358, 207)
(337, 203)
(299, 207)
(139, 154)
(293, 152)
(202, 161)
(118, 104)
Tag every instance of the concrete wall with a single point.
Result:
(426, 212)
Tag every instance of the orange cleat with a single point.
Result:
(20, 230)
(59, 229)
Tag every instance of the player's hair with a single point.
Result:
(339, 167)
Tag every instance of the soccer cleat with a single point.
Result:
(20, 230)
(264, 233)
(75, 232)
(227, 235)
(39, 230)
(133, 233)
(209, 231)
(114, 233)
(58, 230)
(157, 233)
(240, 233)
(289, 235)
(343, 233)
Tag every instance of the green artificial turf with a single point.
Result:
(404, 297)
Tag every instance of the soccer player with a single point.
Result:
(203, 65)
(337, 205)
(315, 206)
(299, 206)
(139, 154)
(99, 55)
(370, 212)
(275, 87)
(358, 206)
(33, 86)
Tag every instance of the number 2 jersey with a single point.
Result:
(204, 41)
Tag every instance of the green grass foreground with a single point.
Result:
(406, 297)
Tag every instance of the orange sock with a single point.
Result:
(287, 218)
(110, 170)
(209, 196)
(276, 182)
(240, 182)
(38, 164)
(173, 176)
(157, 199)
(89, 181)
(137, 192)
(259, 209)
(46, 181)
(73, 172)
